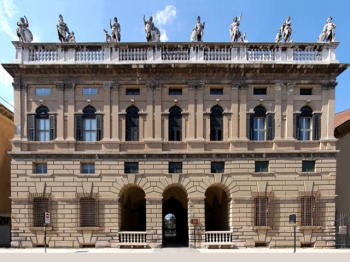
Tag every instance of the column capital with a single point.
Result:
(329, 85)
(60, 86)
(191, 86)
(153, 85)
(70, 86)
(115, 86)
(107, 86)
(234, 86)
(198, 86)
(278, 86)
(244, 85)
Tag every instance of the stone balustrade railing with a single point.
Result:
(218, 237)
(132, 237)
(141, 53)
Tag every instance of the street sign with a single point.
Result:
(292, 219)
(194, 221)
(47, 217)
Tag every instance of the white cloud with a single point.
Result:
(7, 8)
(165, 16)
(6, 87)
(10, 8)
(163, 37)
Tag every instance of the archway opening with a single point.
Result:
(216, 209)
(133, 207)
(175, 220)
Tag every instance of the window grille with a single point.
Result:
(88, 210)
(263, 209)
(39, 203)
(309, 209)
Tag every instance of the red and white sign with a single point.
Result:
(47, 218)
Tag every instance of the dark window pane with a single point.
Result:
(261, 166)
(216, 91)
(260, 91)
(308, 166)
(40, 169)
(175, 167)
(87, 212)
(175, 124)
(132, 92)
(217, 167)
(40, 205)
(306, 91)
(132, 124)
(131, 167)
(88, 168)
(175, 91)
(216, 124)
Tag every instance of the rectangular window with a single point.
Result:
(40, 168)
(261, 211)
(305, 91)
(260, 91)
(40, 205)
(89, 91)
(88, 168)
(309, 209)
(216, 91)
(43, 91)
(89, 134)
(308, 166)
(175, 167)
(132, 91)
(305, 128)
(217, 167)
(88, 211)
(43, 130)
(175, 91)
(261, 166)
(131, 167)
(259, 129)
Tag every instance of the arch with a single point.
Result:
(217, 208)
(216, 123)
(42, 110)
(175, 124)
(132, 208)
(259, 111)
(306, 111)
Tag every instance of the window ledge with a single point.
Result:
(40, 175)
(309, 227)
(261, 227)
(87, 228)
(40, 228)
(262, 173)
(88, 175)
(309, 173)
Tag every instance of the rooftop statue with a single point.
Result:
(278, 37)
(235, 34)
(152, 32)
(71, 38)
(327, 32)
(198, 31)
(63, 30)
(108, 37)
(23, 32)
(115, 34)
(286, 30)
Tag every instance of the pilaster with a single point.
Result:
(278, 110)
(60, 112)
(243, 111)
(289, 111)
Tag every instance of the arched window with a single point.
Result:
(260, 125)
(41, 125)
(175, 124)
(132, 124)
(307, 125)
(88, 125)
(216, 124)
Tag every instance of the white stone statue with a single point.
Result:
(198, 31)
(327, 34)
(23, 32)
(235, 34)
(115, 34)
(152, 32)
(108, 37)
(278, 37)
(71, 38)
(286, 30)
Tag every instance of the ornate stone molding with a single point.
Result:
(115, 86)
(198, 86)
(107, 86)
(153, 86)
(243, 85)
(70, 86)
(329, 85)
(16, 83)
(60, 86)
(278, 86)
(234, 86)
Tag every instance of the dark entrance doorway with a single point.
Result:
(175, 226)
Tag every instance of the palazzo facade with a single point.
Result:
(174, 144)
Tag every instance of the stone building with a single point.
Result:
(6, 134)
(170, 144)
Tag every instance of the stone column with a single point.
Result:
(158, 112)
(199, 111)
(115, 112)
(243, 111)
(330, 111)
(196, 210)
(165, 117)
(60, 109)
(234, 110)
(149, 109)
(71, 110)
(289, 111)
(154, 221)
(191, 111)
(278, 111)
(107, 111)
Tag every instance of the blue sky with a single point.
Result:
(175, 18)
